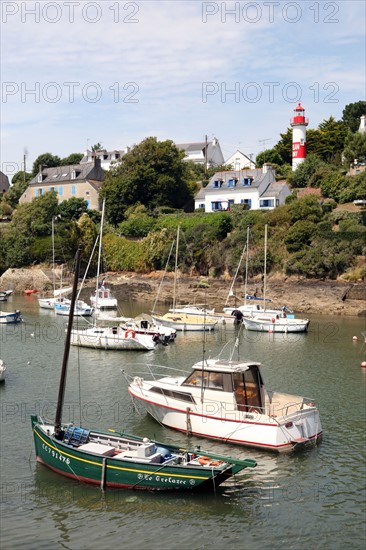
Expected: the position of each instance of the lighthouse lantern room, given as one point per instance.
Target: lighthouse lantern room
(298, 123)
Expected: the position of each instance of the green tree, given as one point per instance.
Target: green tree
(73, 208)
(306, 170)
(330, 140)
(35, 218)
(352, 113)
(269, 155)
(19, 184)
(284, 146)
(354, 148)
(46, 160)
(97, 147)
(306, 208)
(74, 158)
(152, 174)
(87, 236)
(299, 235)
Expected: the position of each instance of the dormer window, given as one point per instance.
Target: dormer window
(231, 182)
(40, 178)
(73, 175)
(247, 181)
(217, 183)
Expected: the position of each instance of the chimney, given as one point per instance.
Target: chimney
(266, 167)
(97, 163)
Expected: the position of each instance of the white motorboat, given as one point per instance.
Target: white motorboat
(267, 322)
(10, 317)
(82, 309)
(103, 299)
(51, 303)
(147, 326)
(228, 401)
(2, 370)
(112, 338)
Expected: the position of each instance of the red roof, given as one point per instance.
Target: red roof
(299, 107)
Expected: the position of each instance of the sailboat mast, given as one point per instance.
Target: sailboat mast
(176, 269)
(61, 391)
(99, 253)
(246, 267)
(265, 266)
(53, 256)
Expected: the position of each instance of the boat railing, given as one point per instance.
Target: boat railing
(153, 370)
(282, 404)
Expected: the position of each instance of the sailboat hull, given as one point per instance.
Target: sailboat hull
(272, 324)
(112, 338)
(108, 471)
(184, 322)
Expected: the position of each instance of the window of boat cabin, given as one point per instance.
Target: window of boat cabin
(247, 386)
(212, 380)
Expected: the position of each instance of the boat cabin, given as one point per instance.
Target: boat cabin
(244, 380)
(103, 293)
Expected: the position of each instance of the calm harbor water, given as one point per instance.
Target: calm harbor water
(314, 499)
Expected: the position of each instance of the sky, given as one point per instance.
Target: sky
(77, 73)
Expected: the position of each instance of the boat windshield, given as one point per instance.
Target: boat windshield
(207, 379)
(247, 386)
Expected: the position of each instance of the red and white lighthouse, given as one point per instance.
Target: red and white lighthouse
(298, 123)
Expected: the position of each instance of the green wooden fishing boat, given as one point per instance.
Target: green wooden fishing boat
(121, 460)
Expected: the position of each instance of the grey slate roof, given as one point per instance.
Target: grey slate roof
(274, 189)
(255, 173)
(59, 174)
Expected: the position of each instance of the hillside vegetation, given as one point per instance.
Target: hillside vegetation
(305, 237)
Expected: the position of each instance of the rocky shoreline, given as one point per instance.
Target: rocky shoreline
(300, 294)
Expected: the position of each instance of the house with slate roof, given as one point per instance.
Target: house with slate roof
(82, 181)
(256, 188)
(199, 151)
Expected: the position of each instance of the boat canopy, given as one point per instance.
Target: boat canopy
(225, 366)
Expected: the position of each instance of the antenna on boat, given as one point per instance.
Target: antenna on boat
(61, 391)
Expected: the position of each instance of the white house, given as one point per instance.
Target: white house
(240, 161)
(256, 188)
(106, 157)
(202, 151)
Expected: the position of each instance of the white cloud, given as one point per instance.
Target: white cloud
(169, 53)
